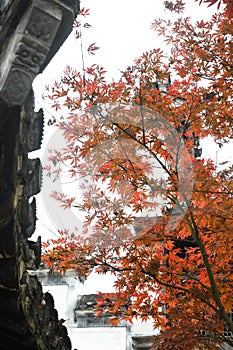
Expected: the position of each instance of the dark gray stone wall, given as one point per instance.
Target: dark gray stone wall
(31, 32)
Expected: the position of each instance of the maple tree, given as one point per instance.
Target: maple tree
(166, 238)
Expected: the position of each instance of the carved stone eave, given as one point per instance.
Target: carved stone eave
(31, 43)
(31, 32)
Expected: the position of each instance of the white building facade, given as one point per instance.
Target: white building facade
(75, 299)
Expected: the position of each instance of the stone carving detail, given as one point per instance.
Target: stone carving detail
(32, 175)
(32, 132)
(16, 86)
(27, 216)
(42, 26)
(36, 248)
(29, 55)
(23, 59)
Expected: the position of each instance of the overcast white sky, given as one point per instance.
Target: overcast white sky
(122, 31)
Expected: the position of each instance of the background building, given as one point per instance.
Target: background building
(86, 331)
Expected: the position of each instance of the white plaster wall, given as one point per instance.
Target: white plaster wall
(104, 338)
(60, 296)
(144, 328)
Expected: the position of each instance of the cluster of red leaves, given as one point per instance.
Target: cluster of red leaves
(176, 266)
(178, 6)
(228, 4)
